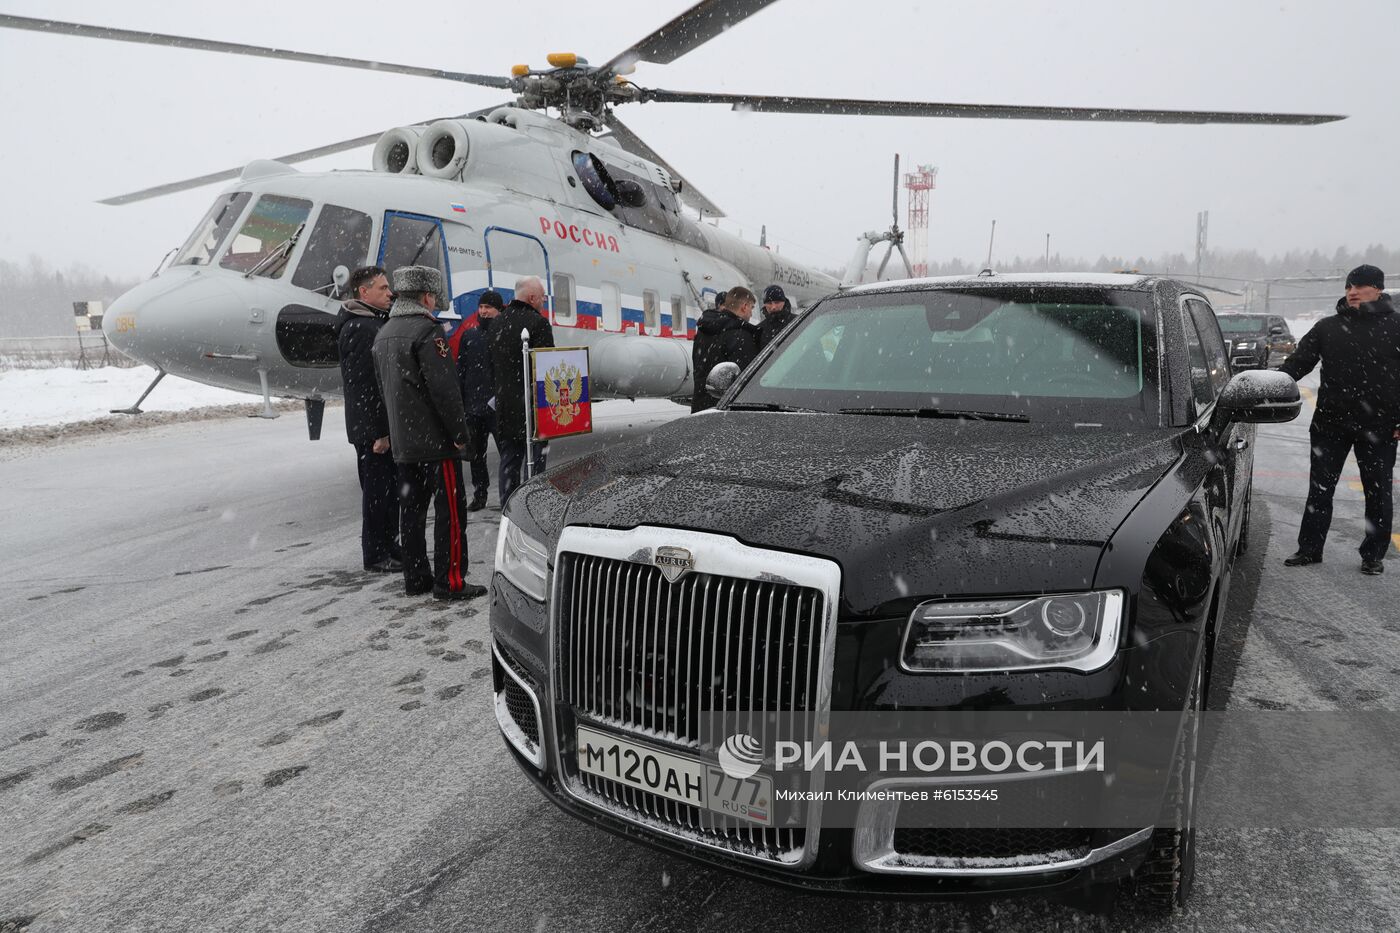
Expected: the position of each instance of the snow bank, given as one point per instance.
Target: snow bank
(64, 396)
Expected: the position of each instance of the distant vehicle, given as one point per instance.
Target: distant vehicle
(1256, 341)
(1054, 469)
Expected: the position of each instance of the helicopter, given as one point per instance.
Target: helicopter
(578, 199)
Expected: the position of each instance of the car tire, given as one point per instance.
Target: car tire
(1163, 882)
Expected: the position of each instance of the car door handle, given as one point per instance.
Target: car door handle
(1241, 443)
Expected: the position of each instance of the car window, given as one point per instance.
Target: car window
(1007, 350)
(1202, 389)
(1217, 360)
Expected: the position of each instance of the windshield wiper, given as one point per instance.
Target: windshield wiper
(278, 254)
(762, 406)
(938, 413)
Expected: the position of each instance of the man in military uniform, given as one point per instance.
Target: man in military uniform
(427, 432)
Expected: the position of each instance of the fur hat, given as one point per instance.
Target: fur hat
(411, 280)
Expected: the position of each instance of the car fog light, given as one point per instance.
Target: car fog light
(1079, 631)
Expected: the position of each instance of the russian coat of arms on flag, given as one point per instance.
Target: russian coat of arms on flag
(563, 406)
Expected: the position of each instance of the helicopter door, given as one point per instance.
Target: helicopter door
(512, 256)
(415, 240)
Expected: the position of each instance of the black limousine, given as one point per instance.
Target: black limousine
(998, 492)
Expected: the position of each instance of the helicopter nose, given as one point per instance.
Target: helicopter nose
(169, 321)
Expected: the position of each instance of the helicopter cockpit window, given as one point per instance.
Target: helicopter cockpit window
(204, 243)
(340, 238)
(267, 237)
(412, 241)
(595, 179)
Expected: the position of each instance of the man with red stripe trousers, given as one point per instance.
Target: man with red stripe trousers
(427, 432)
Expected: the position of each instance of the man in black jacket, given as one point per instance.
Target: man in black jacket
(723, 336)
(478, 380)
(1358, 408)
(525, 313)
(366, 422)
(777, 315)
(427, 431)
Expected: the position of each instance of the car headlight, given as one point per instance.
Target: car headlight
(521, 559)
(1246, 345)
(1077, 631)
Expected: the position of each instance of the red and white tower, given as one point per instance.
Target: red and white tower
(919, 183)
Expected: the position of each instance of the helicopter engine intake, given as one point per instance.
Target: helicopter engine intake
(396, 152)
(443, 148)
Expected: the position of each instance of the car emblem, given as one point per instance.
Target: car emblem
(675, 562)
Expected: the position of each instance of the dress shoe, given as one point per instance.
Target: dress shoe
(476, 505)
(387, 565)
(468, 591)
(1372, 567)
(1301, 560)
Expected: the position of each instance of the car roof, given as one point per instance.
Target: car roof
(1052, 279)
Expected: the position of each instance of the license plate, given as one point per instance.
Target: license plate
(676, 777)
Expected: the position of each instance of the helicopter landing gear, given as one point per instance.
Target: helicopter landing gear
(315, 411)
(267, 411)
(136, 408)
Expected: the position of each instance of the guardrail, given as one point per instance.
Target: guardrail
(78, 351)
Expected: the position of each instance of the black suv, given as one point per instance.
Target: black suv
(1256, 341)
(995, 493)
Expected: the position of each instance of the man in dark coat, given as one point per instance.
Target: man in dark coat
(427, 432)
(525, 313)
(777, 315)
(478, 381)
(723, 336)
(1358, 408)
(366, 422)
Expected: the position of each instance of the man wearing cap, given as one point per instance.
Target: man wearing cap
(777, 315)
(427, 432)
(525, 313)
(478, 381)
(366, 422)
(1358, 408)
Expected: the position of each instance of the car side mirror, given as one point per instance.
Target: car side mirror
(1275, 329)
(721, 378)
(1259, 396)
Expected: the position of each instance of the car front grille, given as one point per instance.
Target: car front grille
(640, 655)
(992, 843)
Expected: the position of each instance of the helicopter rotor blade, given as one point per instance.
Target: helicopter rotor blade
(908, 266)
(837, 106)
(889, 251)
(894, 208)
(235, 48)
(686, 32)
(232, 173)
(637, 146)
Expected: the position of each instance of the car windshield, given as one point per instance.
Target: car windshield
(1036, 353)
(1241, 323)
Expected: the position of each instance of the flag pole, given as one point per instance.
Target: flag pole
(529, 403)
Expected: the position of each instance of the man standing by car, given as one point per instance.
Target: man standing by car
(526, 312)
(478, 381)
(777, 315)
(427, 432)
(1358, 408)
(724, 335)
(366, 422)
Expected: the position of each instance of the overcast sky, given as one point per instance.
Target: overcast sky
(86, 119)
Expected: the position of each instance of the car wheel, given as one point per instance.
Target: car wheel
(1163, 881)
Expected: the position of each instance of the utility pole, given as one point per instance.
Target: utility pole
(1202, 222)
(991, 240)
(1047, 252)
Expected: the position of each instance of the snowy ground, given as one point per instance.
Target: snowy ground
(64, 396)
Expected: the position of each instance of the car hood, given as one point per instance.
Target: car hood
(910, 508)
